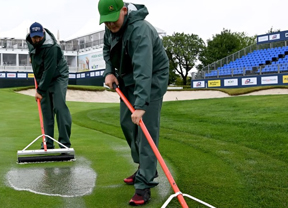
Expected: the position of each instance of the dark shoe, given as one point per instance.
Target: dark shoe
(141, 196)
(130, 180)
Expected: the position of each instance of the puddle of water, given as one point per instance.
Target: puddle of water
(75, 181)
(60, 181)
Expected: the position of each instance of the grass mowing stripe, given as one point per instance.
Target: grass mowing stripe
(226, 120)
(250, 165)
(93, 119)
(203, 175)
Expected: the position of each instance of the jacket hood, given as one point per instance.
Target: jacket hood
(136, 12)
(49, 40)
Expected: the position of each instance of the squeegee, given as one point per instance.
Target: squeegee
(45, 155)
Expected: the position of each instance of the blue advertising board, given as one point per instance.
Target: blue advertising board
(272, 37)
(236, 82)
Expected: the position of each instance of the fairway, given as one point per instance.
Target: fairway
(228, 152)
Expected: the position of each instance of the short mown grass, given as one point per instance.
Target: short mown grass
(228, 152)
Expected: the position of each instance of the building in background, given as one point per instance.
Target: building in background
(84, 55)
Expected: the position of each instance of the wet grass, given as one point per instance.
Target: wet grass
(229, 152)
(107, 155)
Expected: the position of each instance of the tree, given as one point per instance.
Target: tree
(224, 44)
(183, 51)
(245, 40)
(271, 30)
(172, 67)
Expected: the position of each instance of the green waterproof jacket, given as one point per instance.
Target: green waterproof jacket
(136, 55)
(47, 61)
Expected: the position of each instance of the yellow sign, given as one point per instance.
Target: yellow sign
(214, 83)
(285, 78)
(30, 75)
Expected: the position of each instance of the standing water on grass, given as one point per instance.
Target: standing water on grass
(54, 181)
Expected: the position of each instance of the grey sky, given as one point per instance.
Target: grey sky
(204, 18)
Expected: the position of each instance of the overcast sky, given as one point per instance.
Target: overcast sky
(73, 18)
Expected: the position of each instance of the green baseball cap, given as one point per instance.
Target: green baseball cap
(109, 10)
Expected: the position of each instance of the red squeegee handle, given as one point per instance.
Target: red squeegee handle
(41, 118)
(154, 148)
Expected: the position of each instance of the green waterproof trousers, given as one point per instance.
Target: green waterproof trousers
(54, 103)
(141, 151)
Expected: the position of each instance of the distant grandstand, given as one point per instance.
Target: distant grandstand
(249, 66)
(270, 60)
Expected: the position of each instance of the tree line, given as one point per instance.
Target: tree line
(186, 51)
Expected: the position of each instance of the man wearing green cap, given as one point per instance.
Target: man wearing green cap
(137, 62)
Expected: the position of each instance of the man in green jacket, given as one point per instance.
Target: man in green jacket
(51, 73)
(137, 62)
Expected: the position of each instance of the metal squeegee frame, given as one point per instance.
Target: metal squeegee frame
(173, 184)
(47, 151)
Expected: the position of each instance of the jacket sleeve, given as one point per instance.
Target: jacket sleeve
(50, 66)
(141, 53)
(106, 55)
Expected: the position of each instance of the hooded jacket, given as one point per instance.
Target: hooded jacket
(136, 55)
(47, 61)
